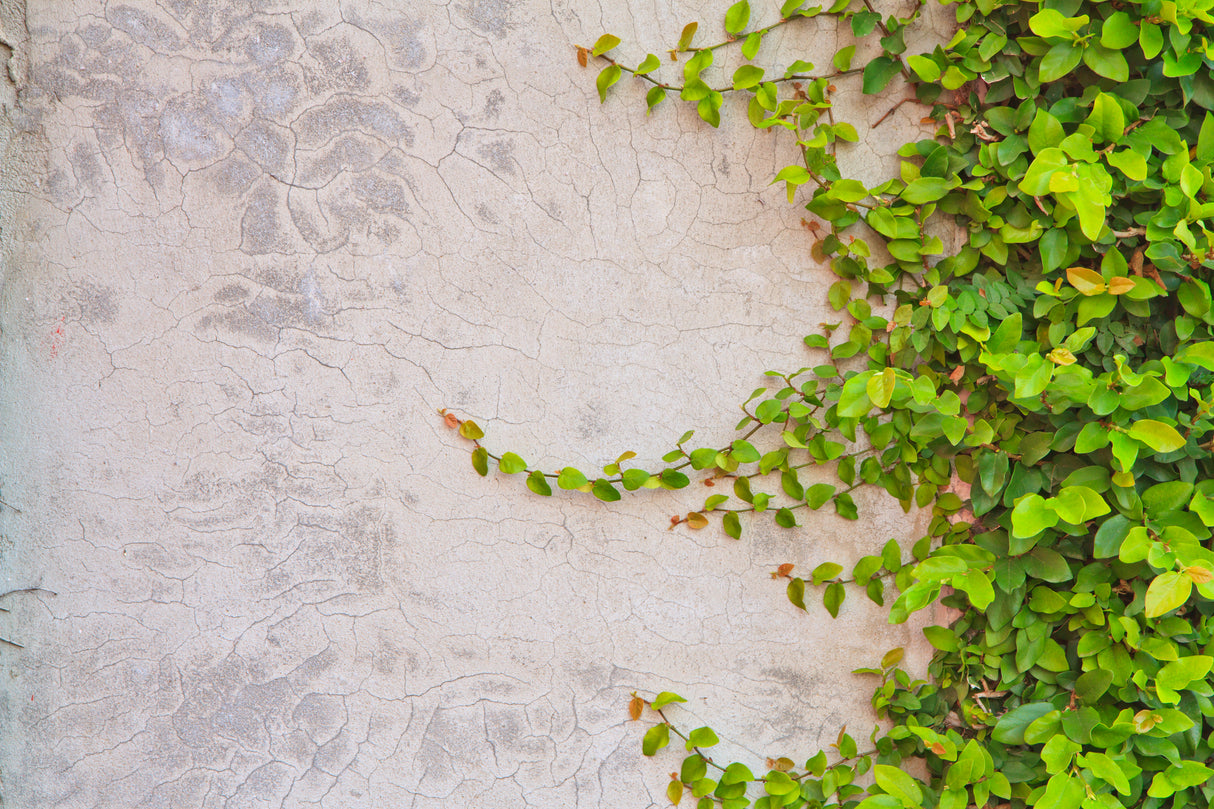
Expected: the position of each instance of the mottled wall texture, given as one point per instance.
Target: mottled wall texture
(249, 248)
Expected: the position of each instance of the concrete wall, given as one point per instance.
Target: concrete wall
(249, 249)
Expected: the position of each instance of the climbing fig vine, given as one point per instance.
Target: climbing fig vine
(1046, 389)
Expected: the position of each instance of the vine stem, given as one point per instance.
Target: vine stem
(730, 89)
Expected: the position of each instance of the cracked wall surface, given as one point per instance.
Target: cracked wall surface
(250, 248)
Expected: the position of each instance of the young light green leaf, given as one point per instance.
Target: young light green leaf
(1157, 435)
(900, 784)
(1167, 592)
(570, 478)
(701, 737)
(736, 17)
(666, 698)
(843, 57)
(609, 76)
(655, 739)
(649, 64)
(605, 43)
(511, 463)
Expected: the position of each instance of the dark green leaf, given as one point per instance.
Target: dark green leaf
(832, 598)
(879, 72)
(480, 460)
(796, 592)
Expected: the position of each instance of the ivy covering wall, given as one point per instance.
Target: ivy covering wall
(1046, 390)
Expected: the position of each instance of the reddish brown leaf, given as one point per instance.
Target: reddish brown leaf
(635, 706)
(582, 55)
(451, 421)
(1136, 262)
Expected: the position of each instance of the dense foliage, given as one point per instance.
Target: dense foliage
(1046, 390)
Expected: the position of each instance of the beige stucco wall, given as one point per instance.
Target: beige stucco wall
(250, 248)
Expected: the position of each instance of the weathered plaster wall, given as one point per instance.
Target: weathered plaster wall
(249, 249)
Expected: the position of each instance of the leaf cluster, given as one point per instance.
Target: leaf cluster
(1046, 389)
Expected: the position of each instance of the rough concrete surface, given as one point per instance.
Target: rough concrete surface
(250, 248)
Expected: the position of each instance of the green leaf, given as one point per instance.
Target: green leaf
(537, 483)
(879, 72)
(924, 66)
(925, 189)
(732, 525)
(848, 190)
(1007, 336)
(937, 568)
(796, 592)
(1044, 132)
(649, 64)
(737, 16)
(853, 400)
(1050, 23)
(1118, 31)
(480, 460)
(1048, 565)
(750, 48)
(1178, 674)
(1150, 38)
(1111, 64)
(818, 494)
(689, 31)
(747, 76)
(1167, 592)
(900, 784)
(609, 76)
(701, 737)
(1205, 140)
(634, 479)
(511, 463)
(1058, 61)
(1036, 179)
(1156, 435)
(655, 96)
(1131, 164)
(832, 598)
(674, 791)
(737, 773)
(1010, 727)
(825, 572)
(570, 478)
(880, 387)
(843, 57)
(942, 638)
(1107, 770)
(655, 739)
(605, 43)
(1107, 118)
(666, 698)
(744, 452)
(605, 491)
